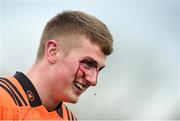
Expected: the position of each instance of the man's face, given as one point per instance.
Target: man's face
(77, 71)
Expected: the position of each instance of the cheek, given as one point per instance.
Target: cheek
(69, 71)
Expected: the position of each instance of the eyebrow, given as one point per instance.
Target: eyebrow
(94, 62)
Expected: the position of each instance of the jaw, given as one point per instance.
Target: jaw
(74, 93)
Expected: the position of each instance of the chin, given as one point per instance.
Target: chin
(73, 100)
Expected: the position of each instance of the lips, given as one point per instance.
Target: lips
(79, 85)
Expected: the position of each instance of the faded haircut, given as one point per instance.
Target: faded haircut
(76, 23)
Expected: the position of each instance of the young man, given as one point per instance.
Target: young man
(72, 51)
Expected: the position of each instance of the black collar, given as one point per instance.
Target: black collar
(29, 89)
(31, 92)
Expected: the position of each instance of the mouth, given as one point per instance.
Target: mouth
(79, 85)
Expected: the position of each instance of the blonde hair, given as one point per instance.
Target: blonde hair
(76, 23)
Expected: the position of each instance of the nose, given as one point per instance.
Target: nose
(91, 77)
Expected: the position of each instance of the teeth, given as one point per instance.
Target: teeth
(78, 85)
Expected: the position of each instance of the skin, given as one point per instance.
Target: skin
(58, 77)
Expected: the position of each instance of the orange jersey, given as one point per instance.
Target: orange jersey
(19, 100)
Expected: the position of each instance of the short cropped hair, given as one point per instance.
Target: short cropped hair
(75, 22)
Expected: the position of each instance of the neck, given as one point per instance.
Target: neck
(38, 76)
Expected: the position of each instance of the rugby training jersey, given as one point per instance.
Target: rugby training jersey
(19, 100)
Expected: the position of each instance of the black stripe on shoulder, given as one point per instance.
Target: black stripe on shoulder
(75, 118)
(72, 116)
(17, 91)
(9, 92)
(67, 110)
(14, 94)
(59, 110)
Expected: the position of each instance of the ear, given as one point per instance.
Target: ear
(51, 51)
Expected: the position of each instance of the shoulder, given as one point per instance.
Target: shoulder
(7, 97)
(10, 94)
(68, 113)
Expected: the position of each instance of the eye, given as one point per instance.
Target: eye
(88, 64)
